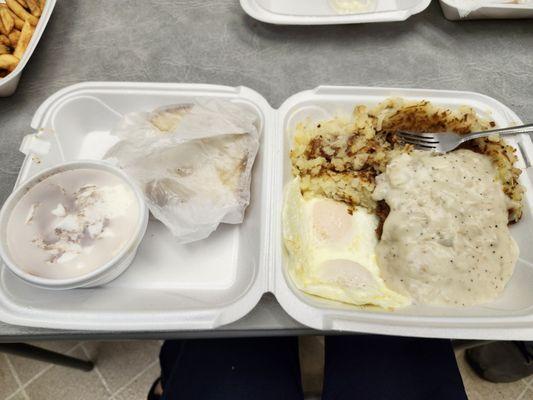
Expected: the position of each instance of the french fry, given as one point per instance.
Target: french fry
(18, 22)
(34, 8)
(7, 19)
(4, 49)
(3, 30)
(21, 12)
(8, 61)
(18, 19)
(5, 40)
(24, 40)
(14, 38)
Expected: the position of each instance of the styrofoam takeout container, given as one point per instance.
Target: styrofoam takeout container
(492, 11)
(216, 281)
(9, 84)
(319, 12)
(100, 276)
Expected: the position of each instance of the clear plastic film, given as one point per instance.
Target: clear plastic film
(192, 161)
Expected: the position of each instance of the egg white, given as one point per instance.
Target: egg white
(332, 253)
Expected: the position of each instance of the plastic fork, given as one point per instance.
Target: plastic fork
(445, 142)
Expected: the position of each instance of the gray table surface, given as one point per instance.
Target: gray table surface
(214, 41)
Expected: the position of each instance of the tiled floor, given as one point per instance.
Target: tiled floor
(478, 389)
(126, 370)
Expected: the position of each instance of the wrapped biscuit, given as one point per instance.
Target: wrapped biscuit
(193, 162)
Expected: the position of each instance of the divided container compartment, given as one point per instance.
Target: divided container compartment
(168, 286)
(509, 317)
(320, 12)
(490, 11)
(218, 280)
(9, 84)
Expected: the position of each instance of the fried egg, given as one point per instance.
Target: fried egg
(331, 252)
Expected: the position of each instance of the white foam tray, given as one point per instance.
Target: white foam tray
(494, 11)
(9, 84)
(218, 280)
(319, 12)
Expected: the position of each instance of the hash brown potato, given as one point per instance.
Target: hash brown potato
(341, 157)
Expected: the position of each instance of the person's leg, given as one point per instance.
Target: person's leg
(236, 369)
(383, 367)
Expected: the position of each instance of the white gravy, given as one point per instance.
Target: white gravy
(71, 223)
(446, 240)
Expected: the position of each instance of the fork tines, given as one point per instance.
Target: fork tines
(421, 140)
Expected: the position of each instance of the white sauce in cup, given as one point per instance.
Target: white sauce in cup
(71, 223)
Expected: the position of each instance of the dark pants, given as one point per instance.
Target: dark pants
(356, 367)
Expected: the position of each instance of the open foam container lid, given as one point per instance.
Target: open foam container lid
(218, 280)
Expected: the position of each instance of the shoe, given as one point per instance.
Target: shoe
(502, 361)
(151, 393)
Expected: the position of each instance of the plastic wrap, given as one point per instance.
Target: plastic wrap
(192, 161)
